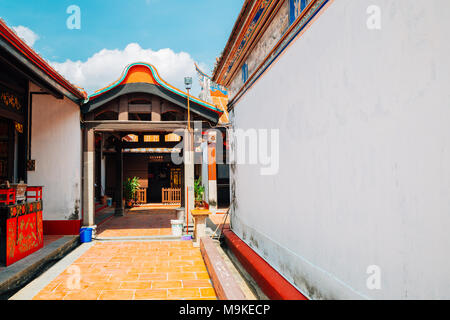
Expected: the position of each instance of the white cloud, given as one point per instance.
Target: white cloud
(26, 34)
(106, 66)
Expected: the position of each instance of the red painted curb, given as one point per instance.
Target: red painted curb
(65, 227)
(273, 284)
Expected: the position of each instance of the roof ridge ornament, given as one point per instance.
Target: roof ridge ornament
(158, 81)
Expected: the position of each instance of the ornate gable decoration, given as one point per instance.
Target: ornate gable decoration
(258, 15)
(10, 100)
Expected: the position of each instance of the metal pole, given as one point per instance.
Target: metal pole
(187, 191)
(189, 111)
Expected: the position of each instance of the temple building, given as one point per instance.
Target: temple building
(134, 128)
(62, 151)
(358, 93)
(40, 150)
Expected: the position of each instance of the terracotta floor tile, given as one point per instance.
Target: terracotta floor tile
(125, 277)
(182, 276)
(166, 284)
(156, 265)
(194, 269)
(83, 295)
(150, 294)
(142, 269)
(197, 284)
(208, 293)
(183, 293)
(202, 275)
(169, 269)
(133, 285)
(117, 295)
(136, 269)
(155, 276)
(181, 263)
(105, 285)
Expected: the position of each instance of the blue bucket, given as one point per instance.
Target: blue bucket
(86, 235)
(109, 202)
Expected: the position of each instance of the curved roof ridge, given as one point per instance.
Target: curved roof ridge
(161, 82)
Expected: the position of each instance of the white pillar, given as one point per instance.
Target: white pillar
(189, 175)
(88, 179)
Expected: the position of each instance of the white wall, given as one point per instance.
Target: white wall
(365, 154)
(56, 147)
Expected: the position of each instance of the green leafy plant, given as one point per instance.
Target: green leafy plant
(199, 190)
(130, 187)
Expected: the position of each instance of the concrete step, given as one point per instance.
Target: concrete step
(20, 273)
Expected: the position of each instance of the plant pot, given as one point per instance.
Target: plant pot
(200, 204)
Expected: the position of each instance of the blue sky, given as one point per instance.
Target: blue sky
(199, 28)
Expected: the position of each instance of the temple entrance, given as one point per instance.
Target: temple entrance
(162, 175)
(131, 129)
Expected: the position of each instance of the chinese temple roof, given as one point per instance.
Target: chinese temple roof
(144, 77)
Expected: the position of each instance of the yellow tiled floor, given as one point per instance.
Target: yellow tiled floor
(134, 271)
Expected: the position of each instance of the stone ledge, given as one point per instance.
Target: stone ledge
(15, 276)
(223, 281)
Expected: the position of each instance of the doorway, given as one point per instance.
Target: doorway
(162, 175)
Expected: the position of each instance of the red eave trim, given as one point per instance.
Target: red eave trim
(31, 55)
(273, 284)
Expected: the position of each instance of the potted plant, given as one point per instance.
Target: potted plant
(130, 188)
(199, 191)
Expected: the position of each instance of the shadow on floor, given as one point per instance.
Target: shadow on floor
(139, 222)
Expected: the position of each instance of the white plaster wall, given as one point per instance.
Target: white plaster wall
(56, 147)
(365, 155)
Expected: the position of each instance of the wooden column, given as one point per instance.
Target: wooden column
(123, 108)
(120, 210)
(102, 167)
(156, 108)
(88, 178)
(188, 175)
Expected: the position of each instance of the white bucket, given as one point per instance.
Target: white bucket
(177, 227)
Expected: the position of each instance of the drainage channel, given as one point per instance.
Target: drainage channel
(245, 281)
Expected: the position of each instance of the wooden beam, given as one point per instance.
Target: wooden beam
(139, 145)
(135, 126)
